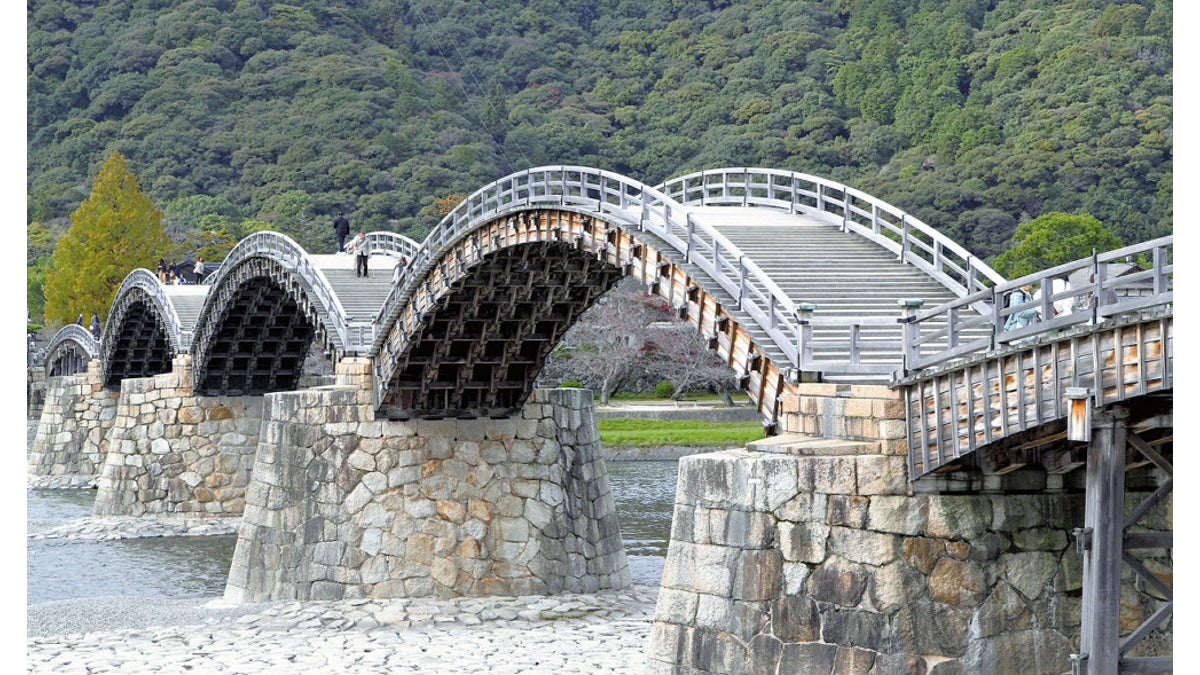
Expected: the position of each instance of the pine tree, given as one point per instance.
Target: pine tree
(114, 231)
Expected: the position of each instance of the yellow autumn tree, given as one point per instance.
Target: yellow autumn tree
(114, 231)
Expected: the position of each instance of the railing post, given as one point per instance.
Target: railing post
(804, 342)
(906, 231)
(1160, 274)
(691, 233)
(912, 331)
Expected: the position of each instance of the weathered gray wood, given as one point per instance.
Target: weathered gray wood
(1103, 527)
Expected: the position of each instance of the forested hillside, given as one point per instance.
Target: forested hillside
(973, 114)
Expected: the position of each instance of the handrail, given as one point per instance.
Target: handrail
(393, 244)
(621, 200)
(71, 332)
(282, 249)
(1100, 297)
(148, 282)
(907, 236)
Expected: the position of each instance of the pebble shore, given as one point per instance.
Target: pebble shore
(571, 633)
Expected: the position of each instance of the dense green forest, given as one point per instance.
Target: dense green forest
(975, 115)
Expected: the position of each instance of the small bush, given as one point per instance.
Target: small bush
(572, 384)
(664, 389)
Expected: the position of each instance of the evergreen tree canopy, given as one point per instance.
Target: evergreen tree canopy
(1053, 239)
(115, 230)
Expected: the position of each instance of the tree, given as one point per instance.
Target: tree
(114, 231)
(1053, 239)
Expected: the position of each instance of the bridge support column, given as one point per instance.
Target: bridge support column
(1100, 544)
(342, 505)
(171, 451)
(71, 442)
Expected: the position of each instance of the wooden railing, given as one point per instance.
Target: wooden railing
(908, 237)
(624, 201)
(283, 250)
(633, 204)
(141, 278)
(71, 332)
(966, 331)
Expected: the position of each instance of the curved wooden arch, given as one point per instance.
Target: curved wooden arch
(70, 350)
(143, 331)
(256, 327)
(533, 272)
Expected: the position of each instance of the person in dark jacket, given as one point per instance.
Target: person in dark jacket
(341, 228)
(95, 325)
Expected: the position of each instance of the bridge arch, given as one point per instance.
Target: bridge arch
(143, 332)
(70, 350)
(266, 305)
(543, 232)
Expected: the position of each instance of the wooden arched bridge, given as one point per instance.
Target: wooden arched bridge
(790, 278)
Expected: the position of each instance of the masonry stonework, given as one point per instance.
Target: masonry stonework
(342, 505)
(808, 554)
(71, 442)
(172, 452)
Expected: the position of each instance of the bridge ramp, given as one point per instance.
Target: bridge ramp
(361, 297)
(844, 275)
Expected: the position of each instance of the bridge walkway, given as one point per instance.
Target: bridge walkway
(849, 279)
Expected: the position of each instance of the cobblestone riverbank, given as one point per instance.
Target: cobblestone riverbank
(571, 633)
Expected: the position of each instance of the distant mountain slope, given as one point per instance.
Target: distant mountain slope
(974, 115)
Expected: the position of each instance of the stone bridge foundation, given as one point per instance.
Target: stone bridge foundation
(71, 442)
(342, 505)
(171, 451)
(812, 554)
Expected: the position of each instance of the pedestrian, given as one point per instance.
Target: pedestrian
(199, 269)
(341, 228)
(95, 325)
(362, 250)
(1024, 317)
(79, 321)
(162, 271)
(399, 271)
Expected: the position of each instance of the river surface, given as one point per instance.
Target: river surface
(197, 567)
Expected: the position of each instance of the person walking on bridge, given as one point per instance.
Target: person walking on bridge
(362, 250)
(95, 325)
(341, 228)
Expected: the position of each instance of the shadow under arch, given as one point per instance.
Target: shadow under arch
(266, 306)
(69, 351)
(143, 332)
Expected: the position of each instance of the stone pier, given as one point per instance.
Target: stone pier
(171, 451)
(342, 505)
(72, 435)
(806, 553)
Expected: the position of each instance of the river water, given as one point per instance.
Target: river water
(197, 567)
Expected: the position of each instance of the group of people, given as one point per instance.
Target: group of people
(95, 324)
(360, 246)
(173, 274)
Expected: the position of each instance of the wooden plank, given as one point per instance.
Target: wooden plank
(1104, 500)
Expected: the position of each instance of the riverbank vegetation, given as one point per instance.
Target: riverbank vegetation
(623, 432)
(237, 115)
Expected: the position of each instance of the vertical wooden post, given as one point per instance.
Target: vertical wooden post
(1100, 543)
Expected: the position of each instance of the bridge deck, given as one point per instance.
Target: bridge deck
(846, 277)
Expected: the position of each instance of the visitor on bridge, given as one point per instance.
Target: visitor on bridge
(1024, 317)
(162, 270)
(341, 228)
(398, 271)
(362, 249)
(95, 325)
(79, 321)
(199, 269)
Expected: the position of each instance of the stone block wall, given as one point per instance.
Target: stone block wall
(35, 391)
(171, 451)
(814, 557)
(71, 442)
(846, 412)
(342, 505)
